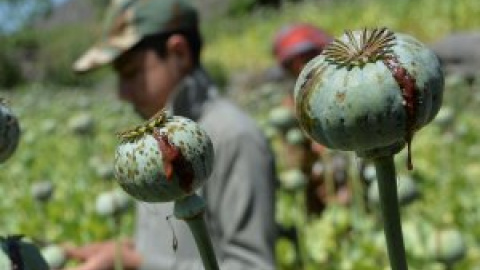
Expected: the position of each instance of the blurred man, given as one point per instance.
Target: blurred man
(154, 48)
(297, 44)
(293, 47)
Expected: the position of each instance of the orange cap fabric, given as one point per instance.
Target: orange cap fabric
(296, 39)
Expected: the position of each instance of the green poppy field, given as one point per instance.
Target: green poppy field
(69, 138)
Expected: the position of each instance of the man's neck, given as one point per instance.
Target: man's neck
(191, 94)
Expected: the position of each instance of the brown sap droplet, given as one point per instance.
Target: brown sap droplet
(407, 84)
(174, 162)
(340, 96)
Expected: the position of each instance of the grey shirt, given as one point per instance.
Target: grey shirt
(239, 194)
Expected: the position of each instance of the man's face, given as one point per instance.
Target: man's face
(146, 80)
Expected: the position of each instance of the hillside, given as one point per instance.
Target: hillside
(73, 26)
(71, 11)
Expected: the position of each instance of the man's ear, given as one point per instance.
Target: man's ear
(179, 48)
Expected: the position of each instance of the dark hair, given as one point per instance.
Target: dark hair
(157, 42)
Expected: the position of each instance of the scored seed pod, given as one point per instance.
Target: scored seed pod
(369, 92)
(9, 131)
(165, 159)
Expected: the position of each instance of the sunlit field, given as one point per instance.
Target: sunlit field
(69, 137)
(428, 20)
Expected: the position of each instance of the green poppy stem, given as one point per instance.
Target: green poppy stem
(190, 209)
(387, 186)
(204, 245)
(329, 177)
(301, 228)
(118, 263)
(356, 189)
(43, 210)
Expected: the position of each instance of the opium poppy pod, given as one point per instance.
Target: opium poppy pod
(166, 159)
(369, 92)
(9, 132)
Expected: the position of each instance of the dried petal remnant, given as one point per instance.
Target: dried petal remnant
(134, 133)
(373, 45)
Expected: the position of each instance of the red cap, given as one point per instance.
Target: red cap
(296, 39)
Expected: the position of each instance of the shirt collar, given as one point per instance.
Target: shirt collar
(190, 96)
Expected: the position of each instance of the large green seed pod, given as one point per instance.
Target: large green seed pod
(21, 254)
(9, 132)
(163, 160)
(369, 92)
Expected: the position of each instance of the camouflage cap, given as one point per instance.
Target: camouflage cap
(128, 21)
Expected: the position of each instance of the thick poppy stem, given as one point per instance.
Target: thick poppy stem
(204, 245)
(190, 209)
(118, 264)
(387, 186)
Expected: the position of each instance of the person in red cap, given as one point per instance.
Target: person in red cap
(297, 44)
(293, 47)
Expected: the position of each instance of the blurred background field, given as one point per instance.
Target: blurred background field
(69, 125)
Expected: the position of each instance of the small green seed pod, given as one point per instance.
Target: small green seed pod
(163, 160)
(293, 179)
(295, 137)
(112, 203)
(42, 191)
(446, 246)
(282, 118)
(9, 132)
(81, 123)
(407, 191)
(369, 92)
(55, 256)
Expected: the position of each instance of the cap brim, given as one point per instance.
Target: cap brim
(103, 54)
(288, 53)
